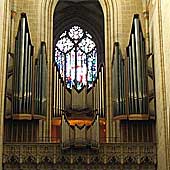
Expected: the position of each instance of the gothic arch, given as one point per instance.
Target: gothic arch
(110, 12)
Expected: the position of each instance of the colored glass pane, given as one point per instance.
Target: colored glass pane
(76, 58)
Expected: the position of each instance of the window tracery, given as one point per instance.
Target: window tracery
(76, 58)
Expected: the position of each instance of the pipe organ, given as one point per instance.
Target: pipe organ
(59, 94)
(78, 116)
(137, 75)
(132, 92)
(40, 97)
(26, 89)
(130, 77)
(79, 106)
(98, 93)
(23, 64)
(118, 73)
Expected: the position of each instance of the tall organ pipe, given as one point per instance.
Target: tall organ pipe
(118, 72)
(139, 64)
(55, 85)
(22, 91)
(135, 79)
(102, 92)
(40, 81)
(44, 79)
(115, 81)
(137, 70)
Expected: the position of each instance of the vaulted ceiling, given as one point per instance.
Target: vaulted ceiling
(86, 14)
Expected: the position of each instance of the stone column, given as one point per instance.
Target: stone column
(12, 42)
(4, 21)
(146, 19)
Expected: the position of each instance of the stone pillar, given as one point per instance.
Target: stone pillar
(146, 20)
(12, 42)
(4, 22)
(162, 152)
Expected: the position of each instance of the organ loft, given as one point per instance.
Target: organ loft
(84, 85)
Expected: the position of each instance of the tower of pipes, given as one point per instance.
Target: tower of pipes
(26, 102)
(134, 119)
(137, 76)
(23, 65)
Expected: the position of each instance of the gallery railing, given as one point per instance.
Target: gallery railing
(120, 153)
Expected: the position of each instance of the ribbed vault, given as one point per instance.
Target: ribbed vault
(87, 14)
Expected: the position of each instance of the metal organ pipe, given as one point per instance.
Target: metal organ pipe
(134, 71)
(115, 82)
(144, 74)
(44, 79)
(118, 72)
(25, 74)
(63, 98)
(137, 77)
(21, 70)
(22, 91)
(58, 93)
(59, 98)
(102, 92)
(130, 81)
(97, 96)
(55, 92)
(139, 64)
(40, 82)
(29, 85)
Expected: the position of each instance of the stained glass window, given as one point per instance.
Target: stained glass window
(76, 58)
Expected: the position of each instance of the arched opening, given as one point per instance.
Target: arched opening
(78, 64)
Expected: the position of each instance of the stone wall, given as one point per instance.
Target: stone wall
(31, 8)
(165, 13)
(126, 11)
(159, 42)
(4, 24)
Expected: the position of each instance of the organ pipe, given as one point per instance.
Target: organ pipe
(59, 97)
(59, 93)
(22, 83)
(100, 95)
(134, 71)
(137, 70)
(55, 92)
(134, 89)
(118, 72)
(102, 92)
(40, 98)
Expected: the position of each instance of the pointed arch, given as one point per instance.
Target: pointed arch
(110, 11)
